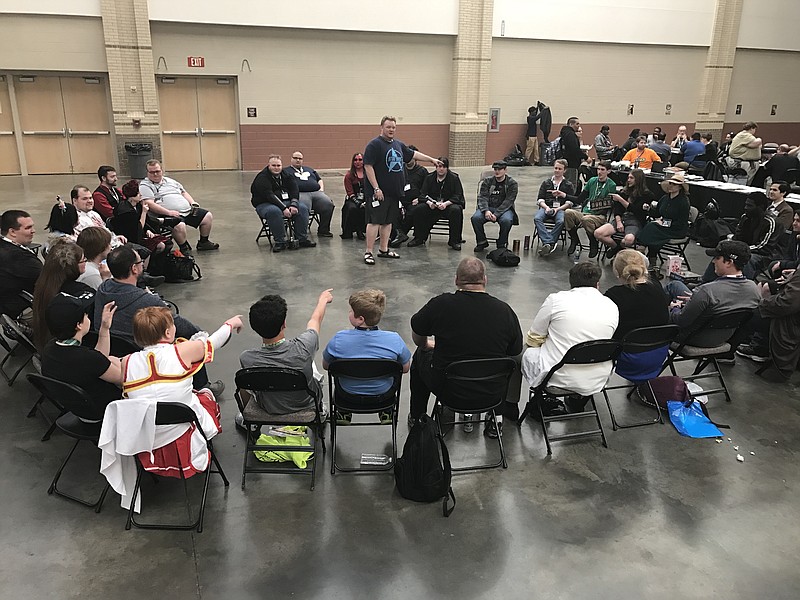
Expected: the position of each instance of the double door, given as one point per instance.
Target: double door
(9, 157)
(199, 123)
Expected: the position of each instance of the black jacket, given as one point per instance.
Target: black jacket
(19, 270)
(571, 147)
(268, 188)
(449, 189)
(415, 177)
(545, 120)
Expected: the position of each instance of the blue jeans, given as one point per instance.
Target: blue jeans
(505, 220)
(548, 237)
(274, 217)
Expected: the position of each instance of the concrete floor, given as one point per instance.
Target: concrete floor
(653, 516)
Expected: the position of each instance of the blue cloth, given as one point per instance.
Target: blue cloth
(692, 150)
(505, 220)
(690, 421)
(274, 217)
(641, 366)
(358, 343)
(548, 237)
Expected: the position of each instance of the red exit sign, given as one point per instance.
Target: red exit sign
(196, 61)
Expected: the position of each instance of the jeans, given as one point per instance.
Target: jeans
(274, 217)
(548, 237)
(505, 220)
(321, 204)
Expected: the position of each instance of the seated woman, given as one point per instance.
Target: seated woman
(132, 220)
(628, 214)
(641, 157)
(163, 370)
(672, 216)
(64, 359)
(353, 207)
(641, 301)
(62, 222)
(62, 267)
(96, 244)
(441, 197)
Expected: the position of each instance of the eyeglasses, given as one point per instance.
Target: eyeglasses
(139, 262)
(358, 160)
(154, 172)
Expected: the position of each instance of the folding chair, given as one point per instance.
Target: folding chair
(81, 420)
(364, 369)
(678, 246)
(472, 387)
(288, 224)
(585, 353)
(644, 351)
(270, 380)
(22, 344)
(120, 346)
(549, 225)
(687, 350)
(176, 413)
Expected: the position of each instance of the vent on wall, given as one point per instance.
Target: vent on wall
(91, 80)
(167, 80)
(26, 79)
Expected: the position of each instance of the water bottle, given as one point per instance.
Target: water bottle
(577, 257)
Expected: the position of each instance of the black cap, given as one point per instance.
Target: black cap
(499, 164)
(65, 311)
(738, 252)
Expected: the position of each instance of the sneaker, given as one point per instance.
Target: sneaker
(573, 245)
(546, 250)
(279, 247)
(481, 246)
(594, 248)
(468, 427)
(324, 234)
(575, 403)
(756, 354)
(398, 240)
(238, 420)
(306, 243)
(416, 242)
(151, 281)
(612, 252)
(385, 417)
(207, 245)
(216, 387)
(490, 430)
(186, 249)
(343, 418)
(455, 245)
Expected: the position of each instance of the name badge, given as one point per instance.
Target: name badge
(284, 196)
(408, 187)
(666, 222)
(376, 203)
(556, 203)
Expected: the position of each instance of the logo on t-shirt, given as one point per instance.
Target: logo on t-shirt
(394, 161)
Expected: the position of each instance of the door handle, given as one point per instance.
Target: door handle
(6, 133)
(217, 131)
(72, 132)
(182, 132)
(61, 132)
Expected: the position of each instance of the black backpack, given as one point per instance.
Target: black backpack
(421, 474)
(503, 257)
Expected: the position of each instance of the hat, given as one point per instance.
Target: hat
(738, 252)
(676, 178)
(499, 164)
(65, 311)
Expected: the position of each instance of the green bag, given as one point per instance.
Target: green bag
(299, 439)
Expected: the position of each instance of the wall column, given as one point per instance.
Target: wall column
(472, 59)
(716, 84)
(129, 52)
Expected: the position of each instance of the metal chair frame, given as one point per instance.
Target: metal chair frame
(22, 342)
(289, 227)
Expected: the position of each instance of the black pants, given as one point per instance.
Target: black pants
(352, 218)
(423, 381)
(425, 219)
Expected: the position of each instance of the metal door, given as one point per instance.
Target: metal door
(9, 156)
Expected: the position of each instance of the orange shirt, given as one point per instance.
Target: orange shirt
(646, 157)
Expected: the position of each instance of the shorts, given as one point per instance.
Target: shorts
(386, 213)
(194, 218)
(632, 225)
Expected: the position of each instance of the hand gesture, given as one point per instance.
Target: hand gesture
(326, 296)
(235, 323)
(105, 272)
(108, 315)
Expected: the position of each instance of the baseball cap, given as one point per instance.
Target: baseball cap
(65, 311)
(738, 252)
(499, 164)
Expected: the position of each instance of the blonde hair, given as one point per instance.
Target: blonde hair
(150, 323)
(369, 304)
(630, 267)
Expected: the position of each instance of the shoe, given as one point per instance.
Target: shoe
(594, 248)
(490, 430)
(551, 407)
(399, 240)
(307, 243)
(573, 243)
(238, 420)
(385, 417)
(468, 427)
(387, 254)
(454, 246)
(324, 234)
(410, 421)
(343, 418)
(279, 247)
(151, 281)
(575, 403)
(361, 236)
(546, 250)
(612, 252)
(416, 242)
(346, 237)
(216, 387)
(756, 354)
(186, 249)
(481, 246)
(207, 245)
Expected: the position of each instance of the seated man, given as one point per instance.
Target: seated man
(693, 148)
(779, 208)
(365, 340)
(731, 290)
(745, 150)
(268, 319)
(312, 192)
(83, 202)
(596, 190)
(567, 318)
(784, 159)
(107, 195)
(19, 265)
(791, 253)
(641, 157)
(493, 331)
(166, 197)
(275, 196)
(605, 148)
(126, 267)
(442, 197)
(552, 202)
(415, 177)
(661, 147)
(496, 205)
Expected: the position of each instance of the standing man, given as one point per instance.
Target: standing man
(384, 160)
(493, 332)
(496, 205)
(166, 197)
(312, 192)
(571, 149)
(745, 150)
(532, 145)
(107, 195)
(19, 265)
(274, 195)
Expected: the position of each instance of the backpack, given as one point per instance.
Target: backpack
(503, 257)
(421, 474)
(516, 158)
(178, 268)
(557, 147)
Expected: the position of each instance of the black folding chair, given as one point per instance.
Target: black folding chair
(686, 348)
(644, 351)
(677, 246)
(472, 387)
(176, 413)
(585, 353)
(23, 346)
(120, 346)
(288, 225)
(269, 380)
(364, 369)
(82, 420)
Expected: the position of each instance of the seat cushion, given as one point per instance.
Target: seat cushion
(699, 352)
(253, 413)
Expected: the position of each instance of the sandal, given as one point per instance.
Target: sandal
(368, 258)
(388, 254)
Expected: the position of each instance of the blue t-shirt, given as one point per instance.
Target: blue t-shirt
(388, 159)
(693, 149)
(359, 343)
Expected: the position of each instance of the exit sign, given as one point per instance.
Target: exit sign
(196, 61)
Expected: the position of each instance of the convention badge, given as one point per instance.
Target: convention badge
(284, 196)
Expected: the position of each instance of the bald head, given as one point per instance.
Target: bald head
(783, 148)
(471, 273)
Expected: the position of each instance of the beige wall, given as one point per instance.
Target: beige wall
(770, 24)
(306, 77)
(762, 78)
(52, 43)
